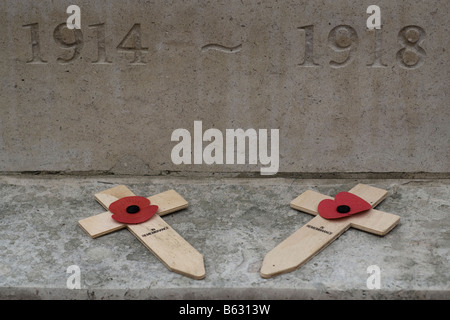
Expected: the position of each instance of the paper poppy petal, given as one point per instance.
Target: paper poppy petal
(133, 218)
(120, 206)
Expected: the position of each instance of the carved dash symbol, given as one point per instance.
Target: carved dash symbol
(218, 47)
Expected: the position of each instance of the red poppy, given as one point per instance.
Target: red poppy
(132, 210)
(344, 204)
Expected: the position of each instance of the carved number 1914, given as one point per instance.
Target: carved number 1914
(130, 43)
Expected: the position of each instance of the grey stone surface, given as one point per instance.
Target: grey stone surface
(76, 101)
(233, 223)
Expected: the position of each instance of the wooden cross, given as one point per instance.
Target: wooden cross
(163, 241)
(307, 241)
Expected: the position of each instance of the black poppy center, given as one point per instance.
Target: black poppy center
(133, 209)
(343, 209)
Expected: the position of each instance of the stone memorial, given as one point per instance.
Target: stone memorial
(334, 92)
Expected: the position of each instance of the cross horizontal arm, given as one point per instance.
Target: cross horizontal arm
(373, 221)
(167, 202)
(101, 224)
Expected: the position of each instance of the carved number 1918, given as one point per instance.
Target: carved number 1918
(343, 40)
